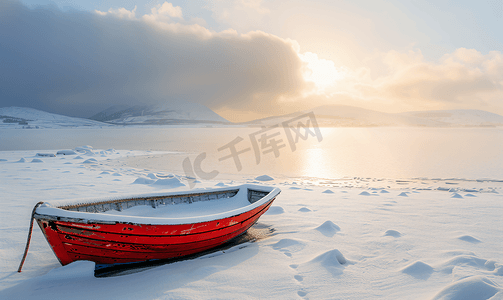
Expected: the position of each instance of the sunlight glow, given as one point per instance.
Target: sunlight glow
(321, 72)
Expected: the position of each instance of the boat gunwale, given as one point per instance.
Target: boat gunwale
(60, 214)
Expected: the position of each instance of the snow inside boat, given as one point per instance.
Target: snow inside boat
(151, 227)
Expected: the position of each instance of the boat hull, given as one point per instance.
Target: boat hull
(124, 242)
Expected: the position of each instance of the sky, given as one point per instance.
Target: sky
(247, 59)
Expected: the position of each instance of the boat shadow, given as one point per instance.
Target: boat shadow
(255, 233)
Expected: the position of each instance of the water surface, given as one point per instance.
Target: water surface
(467, 153)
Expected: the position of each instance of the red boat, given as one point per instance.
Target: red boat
(151, 227)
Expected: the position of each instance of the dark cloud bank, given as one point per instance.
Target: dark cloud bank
(78, 63)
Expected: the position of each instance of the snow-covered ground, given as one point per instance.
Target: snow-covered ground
(327, 240)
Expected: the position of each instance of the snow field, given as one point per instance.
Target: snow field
(328, 241)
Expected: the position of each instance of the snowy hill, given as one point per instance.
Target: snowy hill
(24, 117)
(165, 114)
(191, 113)
(460, 117)
(348, 116)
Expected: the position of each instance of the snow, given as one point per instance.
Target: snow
(143, 180)
(169, 183)
(392, 233)
(187, 114)
(264, 178)
(174, 112)
(472, 288)
(90, 161)
(328, 228)
(46, 154)
(357, 242)
(419, 270)
(66, 152)
(30, 118)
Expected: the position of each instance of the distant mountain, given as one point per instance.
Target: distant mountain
(190, 113)
(348, 116)
(165, 114)
(460, 117)
(24, 117)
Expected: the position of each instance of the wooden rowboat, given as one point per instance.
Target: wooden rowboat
(151, 227)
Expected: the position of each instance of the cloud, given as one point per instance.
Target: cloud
(120, 12)
(463, 79)
(78, 63)
(168, 9)
(242, 15)
(321, 72)
(165, 12)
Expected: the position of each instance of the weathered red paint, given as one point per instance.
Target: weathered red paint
(124, 243)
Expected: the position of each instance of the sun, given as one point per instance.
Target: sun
(321, 72)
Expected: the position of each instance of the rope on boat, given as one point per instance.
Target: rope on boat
(29, 236)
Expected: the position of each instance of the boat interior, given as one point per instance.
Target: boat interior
(156, 201)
